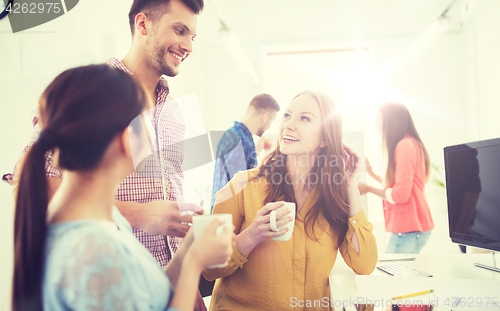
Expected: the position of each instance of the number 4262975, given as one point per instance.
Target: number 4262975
(33, 8)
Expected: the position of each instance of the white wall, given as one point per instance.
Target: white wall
(481, 44)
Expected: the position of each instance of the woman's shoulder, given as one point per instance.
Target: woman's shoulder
(76, 249)
(254, 172)
(85, 258)
(82, 239)
(88, 231)
(407, 144)
(243, 180)
(80, 248)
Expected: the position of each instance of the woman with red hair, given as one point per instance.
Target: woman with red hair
(306, 168)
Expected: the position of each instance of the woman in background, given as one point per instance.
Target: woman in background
(83, 255)
(306, 168)
(407, 214)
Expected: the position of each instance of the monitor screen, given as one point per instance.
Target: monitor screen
(473, 192)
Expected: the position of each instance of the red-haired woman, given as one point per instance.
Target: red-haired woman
(306, 168)
(407, 214)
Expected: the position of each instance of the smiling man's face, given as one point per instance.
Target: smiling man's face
(171, 39)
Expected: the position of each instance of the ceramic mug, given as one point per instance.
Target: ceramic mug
(289, 225)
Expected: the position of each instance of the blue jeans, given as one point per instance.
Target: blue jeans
(407, 243)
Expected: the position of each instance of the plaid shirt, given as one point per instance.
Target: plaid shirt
(235, 152)
(151, 183)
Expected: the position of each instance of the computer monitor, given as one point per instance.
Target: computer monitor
(473, 193)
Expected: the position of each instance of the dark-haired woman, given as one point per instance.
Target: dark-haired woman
(407, 214)
(306, 168)
(84, 256)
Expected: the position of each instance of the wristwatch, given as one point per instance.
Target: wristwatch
(3, 7)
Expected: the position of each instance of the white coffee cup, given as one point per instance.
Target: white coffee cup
(289, 225)
(201, 222)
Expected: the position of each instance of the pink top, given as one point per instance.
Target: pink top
(405, 207)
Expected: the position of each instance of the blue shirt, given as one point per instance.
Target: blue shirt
(91, 265)
(235, 152)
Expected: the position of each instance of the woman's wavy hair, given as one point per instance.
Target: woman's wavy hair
(329, 167)
(396, 123)
(82, 111)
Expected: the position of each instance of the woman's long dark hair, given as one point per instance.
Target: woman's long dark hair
(82, 111)
(332, 185)
(396, 123)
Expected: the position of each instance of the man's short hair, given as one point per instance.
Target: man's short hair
(265, 102)
(155, 9)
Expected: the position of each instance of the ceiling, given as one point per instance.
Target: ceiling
(266, 21)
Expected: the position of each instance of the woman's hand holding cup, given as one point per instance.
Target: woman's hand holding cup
(213, 248)
(261, 226)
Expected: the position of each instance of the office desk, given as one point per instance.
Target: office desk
(343, 286)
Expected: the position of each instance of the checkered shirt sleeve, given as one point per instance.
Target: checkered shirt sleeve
(50, 167)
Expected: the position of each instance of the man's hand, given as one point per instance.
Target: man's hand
(164, 217)
(159, 217)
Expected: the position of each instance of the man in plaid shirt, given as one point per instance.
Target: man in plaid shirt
(162, 31)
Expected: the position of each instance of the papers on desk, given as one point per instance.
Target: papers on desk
(464, 291)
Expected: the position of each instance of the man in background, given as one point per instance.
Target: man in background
(236, 149)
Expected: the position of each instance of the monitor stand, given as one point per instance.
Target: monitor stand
(492, 268)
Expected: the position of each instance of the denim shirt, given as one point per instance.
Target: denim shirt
(235, 152)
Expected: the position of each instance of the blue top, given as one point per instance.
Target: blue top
(235, 152)
(100, 265)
